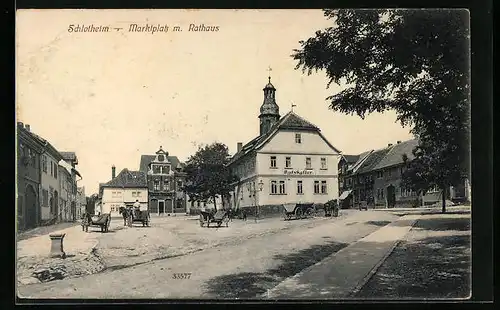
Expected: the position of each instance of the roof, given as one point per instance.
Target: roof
(351, 159)
(68, 155)
(49, 148)
(288, 121)
(372, 160)
(147, 159)
(395, 153)
(360, 160)
(127, 178)
(379, 159)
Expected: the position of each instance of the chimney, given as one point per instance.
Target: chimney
(399, 142)
(27, 127)
(20, 124)
(113, 172)
(239, 146)
(389, 145)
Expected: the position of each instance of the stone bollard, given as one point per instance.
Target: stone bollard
(57, 250)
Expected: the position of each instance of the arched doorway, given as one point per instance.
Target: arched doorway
(391, 196)
(30, 207)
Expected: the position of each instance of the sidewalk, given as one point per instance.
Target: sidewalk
(32, 254)
(344, 273)
(44, 230)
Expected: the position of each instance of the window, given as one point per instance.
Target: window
(308, 162)
(274, 187)
(179, 184)
(282, 187)
(323, 187)
(44, 163)
(379, 174)
(138, 194)
(45, 198)
(134, 194)
(156, 185)
(389, 172)
(288, 162)
(299, 187)
(316, 187)
(55, 170)
(323, 163)
(166, 185)
(51, 168)
(273, 161)
(298, 138)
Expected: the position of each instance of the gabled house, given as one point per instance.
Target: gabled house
(290, 161)
(165, 180)
(122, 191)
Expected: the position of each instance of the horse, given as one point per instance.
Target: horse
(126, 214)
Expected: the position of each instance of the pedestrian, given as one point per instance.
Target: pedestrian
(137, 206)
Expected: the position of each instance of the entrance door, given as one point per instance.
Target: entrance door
(30, 207)
(391, 196)
(161, 207)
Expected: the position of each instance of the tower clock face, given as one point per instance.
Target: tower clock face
(161, 157)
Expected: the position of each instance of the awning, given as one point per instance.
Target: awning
(345, 194)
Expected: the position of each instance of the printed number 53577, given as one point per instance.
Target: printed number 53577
(185, 275)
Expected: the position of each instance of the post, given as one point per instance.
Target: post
(56, 249)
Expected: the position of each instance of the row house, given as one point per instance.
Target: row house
(375, 178)
(29, 150)
(290, 161)
(165, 181)
(56, 178)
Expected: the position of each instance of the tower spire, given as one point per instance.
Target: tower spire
(269, 110)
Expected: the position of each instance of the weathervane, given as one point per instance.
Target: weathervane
(293, 105)
(269, 70)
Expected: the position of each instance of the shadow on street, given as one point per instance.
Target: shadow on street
(251, 285)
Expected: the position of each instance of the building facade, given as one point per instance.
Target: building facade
(165, 181)
(29, 150)
(122, 190)
(290, 161)
(375, 177)
(81, 202)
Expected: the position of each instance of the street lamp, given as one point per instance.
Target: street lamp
(261, 186)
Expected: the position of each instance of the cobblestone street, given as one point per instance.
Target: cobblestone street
(241, 261)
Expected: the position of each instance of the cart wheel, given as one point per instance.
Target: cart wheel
(309, 212)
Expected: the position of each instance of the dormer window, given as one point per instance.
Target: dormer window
(161, 157)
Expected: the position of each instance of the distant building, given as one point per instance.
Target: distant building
(122, 191)
(81, 201)
(165, 180)
(29, 150)
(290, 161)
(374, 177)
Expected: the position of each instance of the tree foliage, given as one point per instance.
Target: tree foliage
(415, 62)
(208, 176)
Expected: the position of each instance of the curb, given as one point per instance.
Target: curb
(375, 268)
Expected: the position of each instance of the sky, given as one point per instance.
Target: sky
(112, 96)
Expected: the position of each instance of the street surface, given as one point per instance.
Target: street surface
(244, 260)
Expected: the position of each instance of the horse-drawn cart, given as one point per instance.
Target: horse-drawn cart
(131, 216)
(298, 210)
(218, 218)
(103, 221)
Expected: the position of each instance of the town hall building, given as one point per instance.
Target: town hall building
(290, 161)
